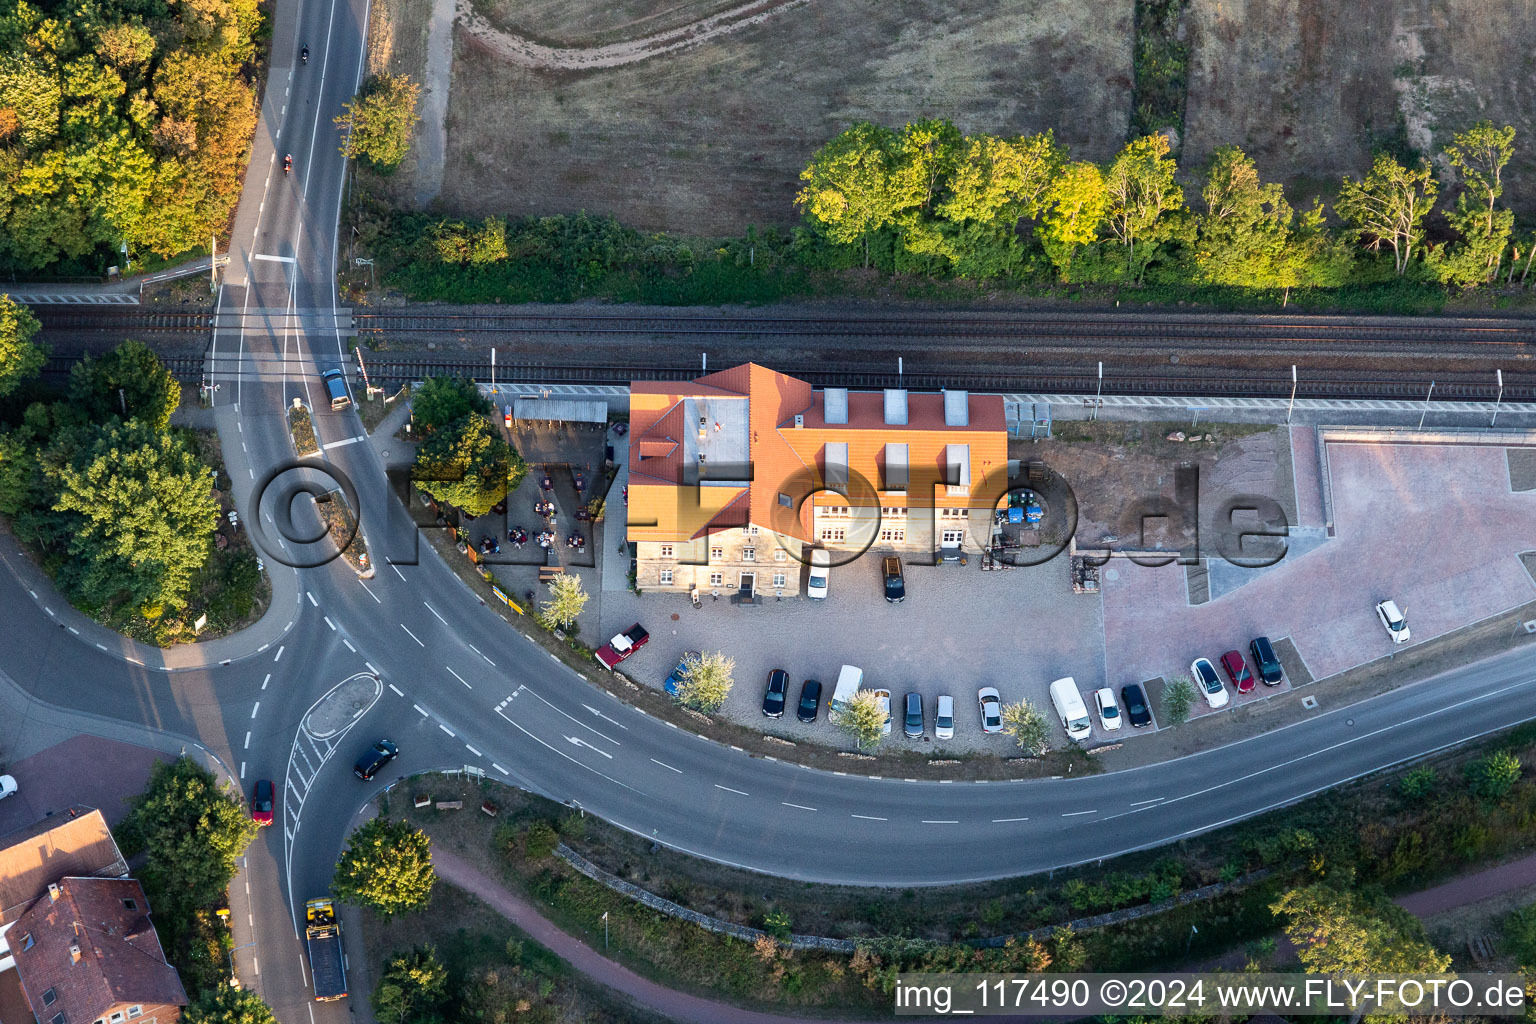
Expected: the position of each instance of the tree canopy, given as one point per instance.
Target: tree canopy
(1028, 726)
(378, 121)
(413, 990)
(387, 866)
(467, 464)
(864, 719)
(1335, 931)
(20, 357)
(440, 401)
(129, 382)
(706, 681)
(229, 1006)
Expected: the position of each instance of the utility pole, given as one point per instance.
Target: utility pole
(1098, 396)
(213, 263)
(493, 368)
(1426, 404)
(1292, 407)
(1497, 401)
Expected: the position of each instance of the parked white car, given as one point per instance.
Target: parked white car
(991, 709)
(821, 570)
(944, 718)
(1208, 682)
(7, 786)
(883, 698)
(1392, 618)
(1109, 711)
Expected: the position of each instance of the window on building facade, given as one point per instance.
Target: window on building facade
(896, 536)
(786, 500)
(666, 551)
(778, 579)
(116, 1017)
(779, 554)
(894, 513)
(715, 579)
(717, 552)
(134, 1011)
(953, 536)
(751, 530)
(666, 577)
(50, 997)
(749, 554)
(833, 533)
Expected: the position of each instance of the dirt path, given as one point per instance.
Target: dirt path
(432, 139)
(1469, 889)
(525, 52)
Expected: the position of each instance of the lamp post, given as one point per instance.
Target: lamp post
(1497, 401)
(1098, 396)
(234, 982)
(1292, 407)
(1426, 404)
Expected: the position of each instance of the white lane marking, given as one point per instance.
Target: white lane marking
(447, 730)
(397, 570)
(370, 592)
(667, 766)
(73, 630)
(568, 757)
(256, 963)
(1138, 803)
(940, 821)
(102, 646)
(33, 593)
(242, 769)
(434, 612)
(369, 666)
(577, 741)
(870, 817)
(349, 645)
(499, 768)
(421, 709)
(311, 595)
(342, 442)
(1075, 814)
(267, 680)
(273, 259)
(728, 789)
(255, 709)
(398, 691)
(605, 718)
(578, 721)
(457, 676)
(472, 750)
(412, 635)
(800, 807)
(477, 651)
(996, 820)
(328, 622)
(247, 740)
(279, 655)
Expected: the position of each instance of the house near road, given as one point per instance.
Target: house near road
(736, 476)
(76, 942)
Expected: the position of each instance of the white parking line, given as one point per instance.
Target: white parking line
(411, 635)
(728, 789)
(798, 807)
(434, 612)
(869, 817)
(668, 767)
(457, 676)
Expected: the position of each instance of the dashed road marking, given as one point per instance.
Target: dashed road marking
(940, 821)
(247, 740)
(458, 677)
(667, 766)
(499, 768)
(728, 789)
(279, 655)
(328, 622)
(1156, 799)
(799, 807)
(255, 709)
(477, 651)
(349, 645)
(370, 592)
(472, 750)
(267, 680)
(398, 691)
(1074, 814)
(447, 730)
(434, 612)
(411, 635)
(999, 820)
(369, 666)
(311, 595)
(395, 567)
(242, 769)
(420, 709)
(869, 817)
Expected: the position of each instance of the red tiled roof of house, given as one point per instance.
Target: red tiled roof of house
(76, 842)
(93, 947)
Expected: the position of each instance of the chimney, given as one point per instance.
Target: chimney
(799, 420)
(53, 892)
(703, 427)
(74, 952)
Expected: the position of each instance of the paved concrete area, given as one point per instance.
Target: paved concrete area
(959, 629)
(88, 770)
(1436, 528)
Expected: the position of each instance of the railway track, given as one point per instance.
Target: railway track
(1046, 379)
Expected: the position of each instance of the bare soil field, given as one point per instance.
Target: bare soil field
(709, 137)
(1309, 87)
(563, 23)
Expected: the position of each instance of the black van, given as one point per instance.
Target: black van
(336, 387)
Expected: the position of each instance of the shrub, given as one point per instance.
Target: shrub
(540, 840)
(1494, 776)
(1178, 699)
(1419, 782)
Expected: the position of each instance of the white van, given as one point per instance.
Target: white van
(849, 679)
(1070, 708)
(816, 584)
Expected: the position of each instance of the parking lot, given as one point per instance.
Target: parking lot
(1437, 529)
(958, 629)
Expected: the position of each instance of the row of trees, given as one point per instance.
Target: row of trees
(985, 207)
(121, 122)
(117, 502)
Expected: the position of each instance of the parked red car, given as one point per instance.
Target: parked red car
(261, 803)
(1237, 671)
(623, 645)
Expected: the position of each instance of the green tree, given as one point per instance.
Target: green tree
(20, 358)
(1335, 931)
(193, 831)
(1418, 783)
(1140, 189)
(129, 382)
(378, 122)
(1178, 699)
(1075, 207)
(848, 186)
(706, 681)
(387, 866)
(1388, 206)
(229, 1006)
(1493, 776)
(1002, 180)
(1479, 154)
(1244, 238)
(1028, 727)
(468, 465)
(926, 154)
(864, 719)
(413, 990)
(565, 602)
(145, 517)
(441, 401)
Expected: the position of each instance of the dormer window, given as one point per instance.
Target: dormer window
(50, 997)
(130, 905)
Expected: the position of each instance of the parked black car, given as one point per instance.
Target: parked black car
(895, 584)
(810, 700)
(778, 689)
(1269, 664)
(1135, 705)
(914, 717)
(374, 758)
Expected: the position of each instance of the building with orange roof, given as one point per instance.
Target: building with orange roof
(736, 476)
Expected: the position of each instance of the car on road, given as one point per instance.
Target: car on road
(913, 719)
(678, 674)
(991, 706)
(1269, 664)
(883, 699)
(1136, 711)
(810, 701)
(261, 802)
(1109, 711)
(1237, 670)
(944, 718)
(623, 645)
(821, 571)
(777, 693)
(895, 582)
(7, 786)
(1208, 683)
(336, 389)
(1392, 618)
(374, 758)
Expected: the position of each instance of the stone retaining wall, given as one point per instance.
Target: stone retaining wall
(830, 945)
